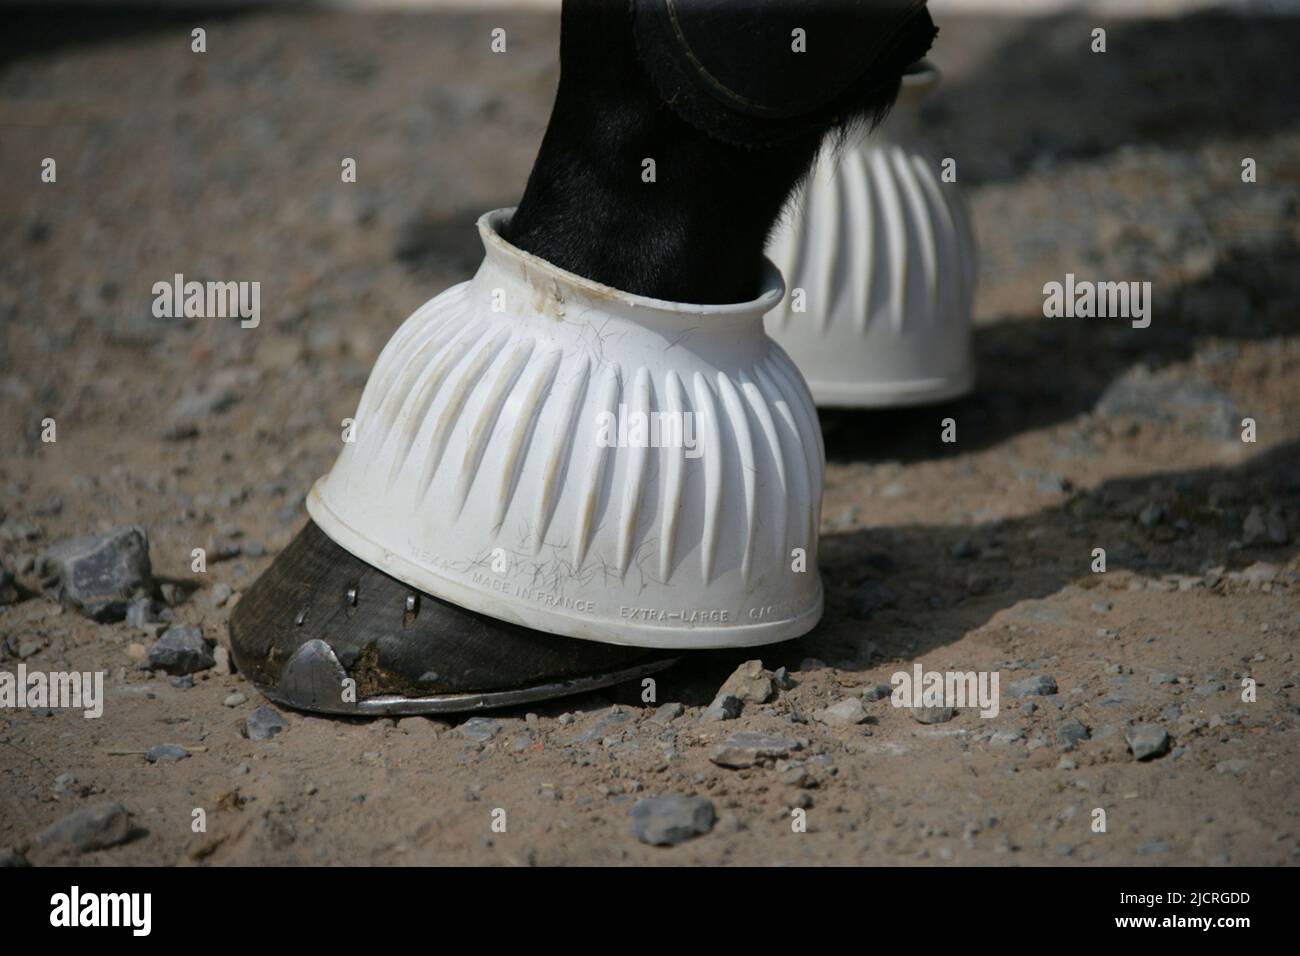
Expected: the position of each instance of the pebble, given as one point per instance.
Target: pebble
(932, 715)
(844, 713)
(1070, 732)
(1163, 678)
(96, 827)
(1147, 741)
(166, 753)
(724, 707)
(479, 729)
(877, 692)
(1261, 572)
(181, 650)
(99, 575)
(750, 683)
(234, 700)
(667, 713)
(1042, 685)
(1264, 527)
(673, 819)
(263, 724)
(221, 593)
(746, 748)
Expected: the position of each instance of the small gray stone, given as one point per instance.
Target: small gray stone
(1264, 527)
(99, 575)
(844, 713)
(746, 748)
(221, 593)
(724, 707)
(166, 753)
(1163, 678)
(670, 820)
(234, 700)
(750, 683)
(181, 650)
(877, 692)
(1070, 732)
(667, 713)
(1041, 686)
(1147, 741)
(932, 715)
(263, 724)
(479, 729)
(96, 827)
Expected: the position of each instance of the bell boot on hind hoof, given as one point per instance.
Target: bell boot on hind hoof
(883, 252)
(320, 616)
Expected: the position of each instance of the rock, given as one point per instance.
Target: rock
(1041, 686)
(844, 713)
(166, 753)
(670, 820)
(221, 661)
(99, 575)
(96, 827)
(65, 785)
(1070, 732)
(667, 713)
(1261, 572)
(1162, 677)
(782, 680)
(479, 729)
(877, 692)
(932, 715)
(1264, 528)
(1147, 741)
(221, 593)
(146, 611)
(724, 707)
(181, 650)
(749, 683)
(234, 700)
(746, 748)
(870, 597)
(263, 724)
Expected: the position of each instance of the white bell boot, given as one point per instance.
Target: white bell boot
(879, 258)
(616, 478)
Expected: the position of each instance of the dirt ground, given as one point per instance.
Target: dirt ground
(1082, 434)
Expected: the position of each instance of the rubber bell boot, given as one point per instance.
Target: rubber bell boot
(880, 260)
(553, 486)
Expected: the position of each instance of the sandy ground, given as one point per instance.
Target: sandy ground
(1083, 434)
